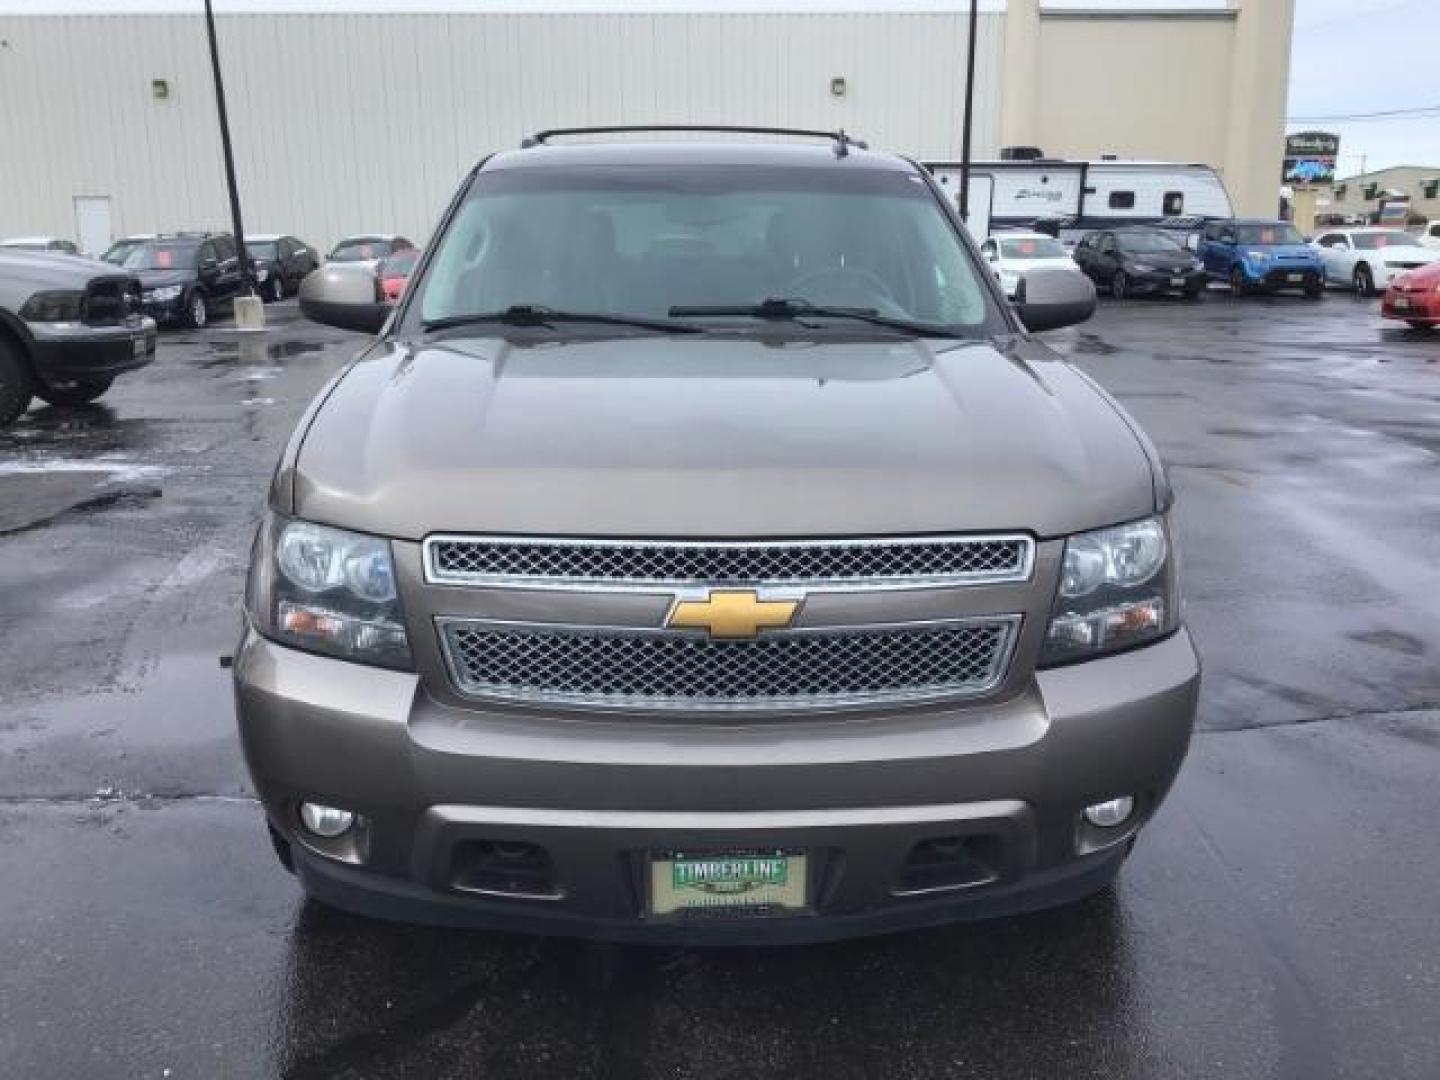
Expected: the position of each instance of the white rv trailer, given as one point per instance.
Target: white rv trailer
(1077, 197)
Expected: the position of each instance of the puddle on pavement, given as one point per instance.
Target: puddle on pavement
(35, 492)
(256, 351)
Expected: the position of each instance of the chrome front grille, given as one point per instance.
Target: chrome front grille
(487, 560)
(612, 667)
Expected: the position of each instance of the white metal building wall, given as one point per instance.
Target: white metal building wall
(347, 123)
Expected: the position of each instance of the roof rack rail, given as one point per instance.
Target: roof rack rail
(842, 141)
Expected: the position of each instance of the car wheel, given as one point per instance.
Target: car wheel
(1120, 285)
(1364, 280)
(1238, 284)
(277, 288)
(1315, 290)
(197, 312)
(1420, 324)
(81, 392)
(17, 385)
(1193, 292)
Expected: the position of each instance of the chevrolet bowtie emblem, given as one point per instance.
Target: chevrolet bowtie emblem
(735, 614)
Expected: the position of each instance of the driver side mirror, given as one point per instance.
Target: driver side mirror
(1192, 242)
(1050, 297)
(209, 266)
(345, 297)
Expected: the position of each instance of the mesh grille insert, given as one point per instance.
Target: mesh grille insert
(617, 667)
(480, 559)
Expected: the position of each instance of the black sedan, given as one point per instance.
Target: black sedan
(281, 263)
(1139, 262)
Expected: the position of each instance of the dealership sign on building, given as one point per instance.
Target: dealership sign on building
(1310, 157)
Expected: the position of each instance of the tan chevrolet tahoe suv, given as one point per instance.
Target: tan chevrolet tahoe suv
(705, 551)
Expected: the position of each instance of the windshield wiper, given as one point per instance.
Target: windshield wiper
(797, 310)
(539, 315)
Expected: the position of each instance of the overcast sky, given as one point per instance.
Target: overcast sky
(1360, 56)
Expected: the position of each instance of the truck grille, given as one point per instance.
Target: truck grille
(794, 668)
(483, 560)
(112, 302)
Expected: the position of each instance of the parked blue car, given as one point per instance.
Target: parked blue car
(1254, 254)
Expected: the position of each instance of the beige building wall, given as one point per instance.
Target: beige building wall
(1202, 86)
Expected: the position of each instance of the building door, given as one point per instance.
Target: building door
(92, 224)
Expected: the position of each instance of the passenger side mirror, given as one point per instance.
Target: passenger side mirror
(1050, 297)
(346, 297)
(208, 266)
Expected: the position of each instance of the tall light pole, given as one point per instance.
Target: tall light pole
(246, 270)
(969, 109)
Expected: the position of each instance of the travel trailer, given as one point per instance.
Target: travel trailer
(1071, 198)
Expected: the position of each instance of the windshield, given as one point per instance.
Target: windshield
(1146, 243)
(118, 250)
(176, 256)
(359, 250)
(262, 249)
(401, 264)
(1373, 241)
(1032, 247)
(639, 241)
(1268, 234)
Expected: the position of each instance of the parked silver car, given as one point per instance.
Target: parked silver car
(705, 551)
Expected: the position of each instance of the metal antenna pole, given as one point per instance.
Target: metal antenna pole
(247, 271)
(969, 108)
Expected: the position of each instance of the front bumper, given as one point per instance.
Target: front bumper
(1420, 306)
(164, 311)
(1008, 779)
(1276, 277)
(68, 352)
(1159, 281)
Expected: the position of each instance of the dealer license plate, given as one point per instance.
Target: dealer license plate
(1295, 277)
(1177, 282)
(1402, 303)
(721, 883)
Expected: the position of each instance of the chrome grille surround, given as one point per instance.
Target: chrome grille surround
(545, 562)
(630, 668)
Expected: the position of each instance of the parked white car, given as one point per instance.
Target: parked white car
(1430, 238)
(1367, 260)
(1012, 254)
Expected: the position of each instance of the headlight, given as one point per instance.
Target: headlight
(328, 591)
(261, 273)
(58, 306)
(1141, 268)
(1258, 256)
(167, 292)
(1117, 589)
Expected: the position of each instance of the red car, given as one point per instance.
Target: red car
(395, 271)
(1415, 297)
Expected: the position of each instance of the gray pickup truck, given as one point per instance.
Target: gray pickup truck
(68, 326)
(704, 550)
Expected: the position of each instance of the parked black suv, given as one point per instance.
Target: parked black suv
(281, 263)
(186, 277)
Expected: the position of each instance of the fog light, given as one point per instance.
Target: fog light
(329, 821)
(1111, 812)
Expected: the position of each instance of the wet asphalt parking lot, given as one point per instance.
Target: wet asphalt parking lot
(1279, 919)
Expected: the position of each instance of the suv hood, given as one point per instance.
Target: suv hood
(1286, 251)
(717, 437)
